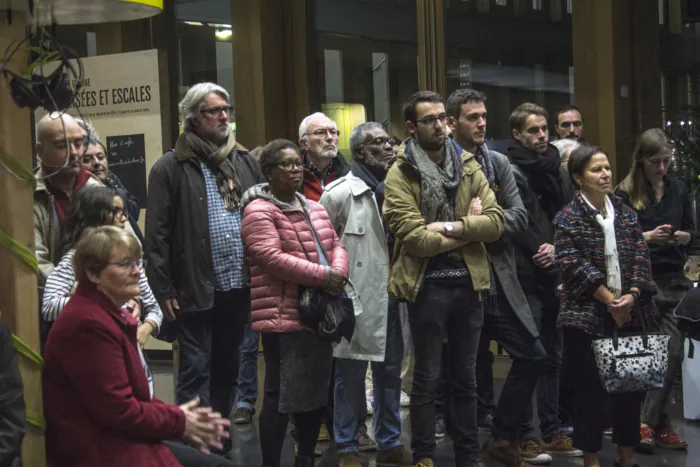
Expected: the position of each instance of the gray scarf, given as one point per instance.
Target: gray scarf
(438, 184)
(486, 163)
(216, 158)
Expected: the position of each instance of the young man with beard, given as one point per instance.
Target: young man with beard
(355, 212)
(569, 123)
(440, 208)
(507, 317)
(545, 187)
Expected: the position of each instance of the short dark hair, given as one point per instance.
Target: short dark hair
(579, 159)
(564, 109)
(270, 153)
(460, 97)
(409, 107)
(524, 110)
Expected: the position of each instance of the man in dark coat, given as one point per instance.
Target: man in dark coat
(507, 316)
(545, 188)
(194, 252)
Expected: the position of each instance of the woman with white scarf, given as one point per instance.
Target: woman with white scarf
(606, 282)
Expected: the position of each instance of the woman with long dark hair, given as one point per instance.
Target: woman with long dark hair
(662, 203)
(92, 207)
(606, 283)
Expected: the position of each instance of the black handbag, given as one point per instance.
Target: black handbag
(332, 317)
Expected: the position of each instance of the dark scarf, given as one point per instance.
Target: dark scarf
(362, 172)
(486, 164)
(216, 158)
(438, 183)
(543, 173)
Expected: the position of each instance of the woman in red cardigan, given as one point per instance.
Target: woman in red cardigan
(100, 410)
(277, 233)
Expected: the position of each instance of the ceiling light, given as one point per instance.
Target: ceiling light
(223, 34)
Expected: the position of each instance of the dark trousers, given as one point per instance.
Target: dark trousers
(591, 400)
(544, 306)
(455, 312)
(273, 423)
(528, 356)
(209, 351)
(484, 375)
(193, 457)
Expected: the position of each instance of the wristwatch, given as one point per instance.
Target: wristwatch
(449, 228)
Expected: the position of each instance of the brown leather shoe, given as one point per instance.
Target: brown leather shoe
(397, 456)
(503, 451)
(669, 439)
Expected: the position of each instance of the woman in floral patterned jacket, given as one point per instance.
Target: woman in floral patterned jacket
(607, 282)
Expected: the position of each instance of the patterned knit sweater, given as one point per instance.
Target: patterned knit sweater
(579, 246)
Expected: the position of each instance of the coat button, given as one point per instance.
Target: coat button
(359, 264)
(361, 230)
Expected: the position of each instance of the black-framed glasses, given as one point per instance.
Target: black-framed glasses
(432, 120)
(128, 265)
(380, 141)
(321, 132)
(288, 166)
(217, 111)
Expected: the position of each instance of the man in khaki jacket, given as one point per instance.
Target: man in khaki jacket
(440, 208)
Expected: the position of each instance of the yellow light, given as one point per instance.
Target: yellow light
(94, 11)
(223, 34)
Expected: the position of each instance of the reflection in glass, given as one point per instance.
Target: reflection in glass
(365, 63)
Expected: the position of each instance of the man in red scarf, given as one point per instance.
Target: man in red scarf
(318, 138)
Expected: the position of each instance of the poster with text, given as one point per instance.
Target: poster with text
(119, 95)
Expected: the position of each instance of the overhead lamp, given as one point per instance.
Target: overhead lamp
(94, 11)
(223, 34)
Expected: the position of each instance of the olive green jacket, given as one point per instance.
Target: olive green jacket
(415, 245)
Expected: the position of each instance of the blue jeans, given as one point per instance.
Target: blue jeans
(350, 395)
(248, 372)
(545, 307)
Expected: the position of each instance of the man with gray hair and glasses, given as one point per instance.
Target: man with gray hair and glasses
(318, 139)
(194, 252)
(354, 204)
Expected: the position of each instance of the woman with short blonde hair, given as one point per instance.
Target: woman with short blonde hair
(99, 407)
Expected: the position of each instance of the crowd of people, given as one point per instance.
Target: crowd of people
(525, 242)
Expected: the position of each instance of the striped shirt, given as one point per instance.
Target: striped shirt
(61, 284)
(225, 236)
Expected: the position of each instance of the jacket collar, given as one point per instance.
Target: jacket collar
(89, 290)
(356, 184)
(404, 156)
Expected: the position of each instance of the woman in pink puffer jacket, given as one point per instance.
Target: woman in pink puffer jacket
(277, 238)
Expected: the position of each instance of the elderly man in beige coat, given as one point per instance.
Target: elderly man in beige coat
(353, 203)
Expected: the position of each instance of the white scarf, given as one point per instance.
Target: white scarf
(612, 261)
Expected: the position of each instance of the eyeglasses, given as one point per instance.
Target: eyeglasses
(128, 265)
(380, 141)
(118, 212)
(321, 132)
(217, 111)
(432, 120)
(577, 124)
(289, 166)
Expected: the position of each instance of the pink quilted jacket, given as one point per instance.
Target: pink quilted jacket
(278, 264)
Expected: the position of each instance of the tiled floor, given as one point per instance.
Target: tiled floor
(246, 450)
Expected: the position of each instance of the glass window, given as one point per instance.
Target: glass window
(528, 57)
(365, 64)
